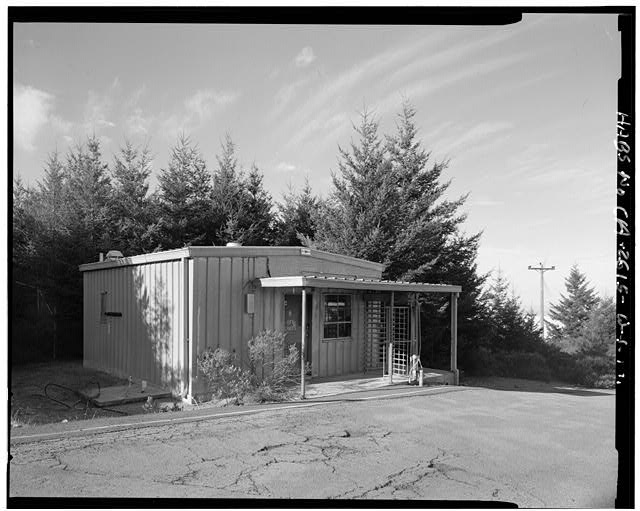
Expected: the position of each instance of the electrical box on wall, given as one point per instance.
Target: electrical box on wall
(250, 303)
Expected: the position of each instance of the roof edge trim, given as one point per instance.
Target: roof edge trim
(357, 284)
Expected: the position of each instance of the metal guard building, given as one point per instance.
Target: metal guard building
(150, 316)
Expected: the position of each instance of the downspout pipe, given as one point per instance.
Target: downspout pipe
(454, 338)
(302, 344)
(185, 331)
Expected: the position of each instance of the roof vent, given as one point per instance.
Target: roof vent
(113, 255)
(234, 244)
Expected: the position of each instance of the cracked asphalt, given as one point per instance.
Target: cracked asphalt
(533, 449)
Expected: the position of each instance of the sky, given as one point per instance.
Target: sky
(525, 114)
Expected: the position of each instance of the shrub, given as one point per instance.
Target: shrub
(484, 362)
(226, 380)
(532, 366)
(594, 371)
(274, 364)
(477, 362)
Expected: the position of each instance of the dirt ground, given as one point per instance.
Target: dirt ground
(548, 448)
(42, 394)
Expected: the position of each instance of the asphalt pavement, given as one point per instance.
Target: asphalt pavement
(533, 449)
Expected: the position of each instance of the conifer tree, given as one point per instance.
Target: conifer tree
(185, 198)
(56, 250)
(597, 337)
(88, 194)
(428, 223)
(571, 312)
(23, 225)
(360, 215)
(51, 193)
(256, 216)
(132, 207)
(512, 329)
(227, 195)
(298, 214)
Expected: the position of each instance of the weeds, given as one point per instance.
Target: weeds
(275, 366)
(18, 420)
(274, 369)
(225, 378)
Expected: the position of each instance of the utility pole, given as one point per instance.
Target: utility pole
(542, 269)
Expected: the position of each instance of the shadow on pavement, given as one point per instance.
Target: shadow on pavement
(517, 385)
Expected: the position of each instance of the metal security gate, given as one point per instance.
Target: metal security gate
(376, 332)
(379, 330)
(401, 341)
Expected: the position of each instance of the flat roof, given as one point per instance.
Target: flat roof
(248, 251)
(322, 282)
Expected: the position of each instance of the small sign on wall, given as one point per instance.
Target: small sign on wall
(292, 326)
(250, 303)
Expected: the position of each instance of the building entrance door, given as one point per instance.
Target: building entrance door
(293, 323)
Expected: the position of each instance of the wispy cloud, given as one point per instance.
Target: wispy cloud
(466, 137)
(336, 94)
(137, 124)
(324, 99)
(97, 111)
(322, 129)
(305, 57)
(449, 77)
(557, 175)
(205, 101)
(449, 56)
(196, 110)
(286, 94)
(284, 167)
(486, 203)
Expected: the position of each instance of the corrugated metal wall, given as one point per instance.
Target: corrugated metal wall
(145, 342)
(220, 319)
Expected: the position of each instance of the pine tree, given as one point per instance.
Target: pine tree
(571, 312)
(131, 204)
(23, 224)
(597, 336)
(428, 223)
(56, 250)
(297, 217)
(359, 217)
(388, 205)
(256, 216)
(512, 329)
(51, 193)
(185, 199)
(88, 194)
(227, 195)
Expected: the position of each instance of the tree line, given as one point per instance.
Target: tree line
(388, 203)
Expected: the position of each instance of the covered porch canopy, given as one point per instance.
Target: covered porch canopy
(309, 282)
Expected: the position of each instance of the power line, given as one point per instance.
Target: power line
(542, 269)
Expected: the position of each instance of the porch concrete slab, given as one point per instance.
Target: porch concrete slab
(123, 394)
(323, 387)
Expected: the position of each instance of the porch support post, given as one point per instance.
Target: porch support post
(454, 338)
(391, 339)
(302, 349)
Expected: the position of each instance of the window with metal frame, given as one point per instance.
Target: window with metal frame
(337, 316)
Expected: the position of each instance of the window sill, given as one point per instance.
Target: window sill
(337, 339)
